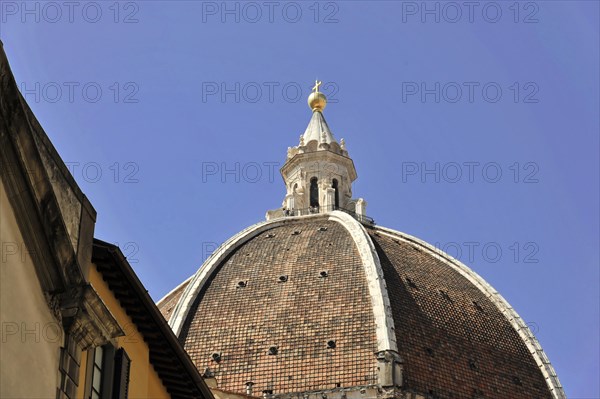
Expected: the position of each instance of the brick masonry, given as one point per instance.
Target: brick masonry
(454, 341)
(167, 304)
(298, 316)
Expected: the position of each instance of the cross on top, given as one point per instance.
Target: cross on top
(317, 84)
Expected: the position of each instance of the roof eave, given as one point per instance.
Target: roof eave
(105, 253)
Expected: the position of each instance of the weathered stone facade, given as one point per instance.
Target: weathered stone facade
(51, 223)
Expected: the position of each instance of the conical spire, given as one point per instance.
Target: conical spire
(317, 129)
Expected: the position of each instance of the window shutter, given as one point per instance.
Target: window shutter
(121, 380)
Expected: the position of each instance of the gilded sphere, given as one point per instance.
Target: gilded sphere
(317, 101)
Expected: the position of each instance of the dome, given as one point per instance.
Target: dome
(319, 302)
(309, 303)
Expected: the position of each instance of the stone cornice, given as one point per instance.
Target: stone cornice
(87, 318)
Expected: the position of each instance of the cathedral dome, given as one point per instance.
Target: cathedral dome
(322, 303)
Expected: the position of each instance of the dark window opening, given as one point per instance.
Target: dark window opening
(517, 381)
(314, 192)
(411, 283)
(337, 195)
(473, 365)
(446, 296)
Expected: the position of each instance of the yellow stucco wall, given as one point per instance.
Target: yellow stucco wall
(144, 382)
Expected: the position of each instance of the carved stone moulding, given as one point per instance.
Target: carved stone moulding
(87, 319)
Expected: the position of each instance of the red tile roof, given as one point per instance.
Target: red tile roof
(454, 340)
(298, 316)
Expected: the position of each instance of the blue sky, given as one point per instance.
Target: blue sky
(475, 129)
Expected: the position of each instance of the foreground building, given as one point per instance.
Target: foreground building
(75, 320)
(318, 302)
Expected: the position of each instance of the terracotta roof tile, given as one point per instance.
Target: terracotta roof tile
(454, 341)
(167, 304)
(298, 316)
